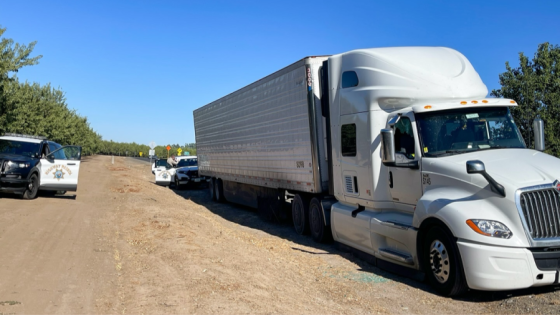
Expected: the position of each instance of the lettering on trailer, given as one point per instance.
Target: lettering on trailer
(300, 164)
(58, 171)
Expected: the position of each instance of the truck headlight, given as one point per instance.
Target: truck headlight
(490, 228)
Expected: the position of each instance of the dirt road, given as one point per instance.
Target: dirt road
(124, 245)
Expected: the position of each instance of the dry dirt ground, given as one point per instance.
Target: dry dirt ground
(123, 245)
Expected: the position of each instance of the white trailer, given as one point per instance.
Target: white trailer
(269, 135)
(397, 153)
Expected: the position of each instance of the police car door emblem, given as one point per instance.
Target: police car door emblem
(59, 174)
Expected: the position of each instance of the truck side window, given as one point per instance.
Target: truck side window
(349, 79)
(404, 138)
(348, 139)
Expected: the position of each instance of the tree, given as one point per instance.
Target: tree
(12, 58)
(535, 85)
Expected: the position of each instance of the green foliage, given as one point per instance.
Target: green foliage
(14, 56)
(161, 150)
(535, 85)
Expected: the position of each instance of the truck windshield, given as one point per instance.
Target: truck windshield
(464, 130)
(19, 148)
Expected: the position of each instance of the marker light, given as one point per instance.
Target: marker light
(490, 228)
(427, 106)
(484, 101)
(474, 102)
(513, 102)
(464, 103)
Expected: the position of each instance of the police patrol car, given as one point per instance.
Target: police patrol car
(186, 172)
(32, 163)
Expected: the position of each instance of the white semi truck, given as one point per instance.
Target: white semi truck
(398, 153)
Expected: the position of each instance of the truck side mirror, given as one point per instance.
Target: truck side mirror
(477, 167)
(388, 147)
(538, 128)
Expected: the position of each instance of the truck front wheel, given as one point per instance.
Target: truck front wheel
(300, 214)
(442, 262)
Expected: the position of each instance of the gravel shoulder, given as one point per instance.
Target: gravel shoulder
(125, 245)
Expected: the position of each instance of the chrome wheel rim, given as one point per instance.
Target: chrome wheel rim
(439, 261)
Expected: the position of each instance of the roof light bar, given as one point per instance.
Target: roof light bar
(7, 134)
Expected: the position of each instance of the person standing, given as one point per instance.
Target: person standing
(172, 161)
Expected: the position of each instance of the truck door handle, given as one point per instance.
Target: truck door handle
(71, 163)
(390, 179)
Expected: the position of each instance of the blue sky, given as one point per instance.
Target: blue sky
(138, 69)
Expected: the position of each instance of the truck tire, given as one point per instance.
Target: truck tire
(320, 232)
(442, 262)
(212, 186)
(219, 190)
(300, 214)
(32, 188)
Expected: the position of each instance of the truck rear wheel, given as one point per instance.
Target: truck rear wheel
(442, 262)
(300, 214)
(212, 186)
(319, 231)
(219, 190)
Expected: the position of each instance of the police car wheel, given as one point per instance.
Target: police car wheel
(32, 188)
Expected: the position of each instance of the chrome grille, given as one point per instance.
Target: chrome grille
(541, 210)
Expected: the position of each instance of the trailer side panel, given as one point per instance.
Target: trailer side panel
(261, 134)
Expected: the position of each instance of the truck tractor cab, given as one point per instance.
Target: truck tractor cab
(432, 175)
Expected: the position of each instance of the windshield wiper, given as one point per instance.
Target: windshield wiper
(455, 151)
(437, 154)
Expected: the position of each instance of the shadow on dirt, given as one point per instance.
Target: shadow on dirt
(250, 217)
(41, 194)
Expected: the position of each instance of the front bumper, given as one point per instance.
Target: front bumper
(194, 180)
(493, 268)
(13, 185)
